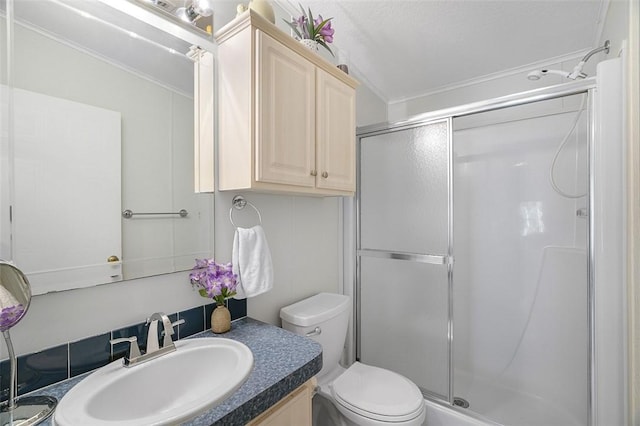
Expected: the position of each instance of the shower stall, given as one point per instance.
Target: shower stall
(475, 255)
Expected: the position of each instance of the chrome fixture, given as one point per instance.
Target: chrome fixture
(577, 70)
(196, 10)
(187, 14)
(239, 202)
(203, 7)
(153, 350)
(315, 332)
(128, 214)
(197, 13)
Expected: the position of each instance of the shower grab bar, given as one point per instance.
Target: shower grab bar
(413, 257)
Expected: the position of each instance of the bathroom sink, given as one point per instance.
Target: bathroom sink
(166, 390)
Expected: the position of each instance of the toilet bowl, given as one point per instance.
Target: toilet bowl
(363, 395)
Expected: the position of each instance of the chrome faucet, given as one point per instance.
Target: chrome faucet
(152, 336)
(153, 348)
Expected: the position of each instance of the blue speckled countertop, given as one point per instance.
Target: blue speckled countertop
(282, 362)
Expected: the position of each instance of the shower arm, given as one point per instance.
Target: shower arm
(577, 70)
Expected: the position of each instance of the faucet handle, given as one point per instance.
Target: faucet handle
(173, 324)
(134, 350)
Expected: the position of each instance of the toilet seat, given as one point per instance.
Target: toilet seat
(377, 394)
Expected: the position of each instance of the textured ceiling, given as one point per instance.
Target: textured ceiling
(409, 47)
(401, 48)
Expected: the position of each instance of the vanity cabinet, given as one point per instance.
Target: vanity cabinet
(293, 409)
(287, 116)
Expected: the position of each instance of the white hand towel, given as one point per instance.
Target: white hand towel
(251, 261)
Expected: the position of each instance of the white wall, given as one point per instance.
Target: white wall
(616, 25)
(621, 27)
(304, 238)
(370, 107)
(633, 209)
(56, 318)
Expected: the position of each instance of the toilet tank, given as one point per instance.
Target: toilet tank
(329, 312)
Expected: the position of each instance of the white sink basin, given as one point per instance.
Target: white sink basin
(167, 390)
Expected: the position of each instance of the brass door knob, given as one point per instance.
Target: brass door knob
(113, 258)
(325, 175)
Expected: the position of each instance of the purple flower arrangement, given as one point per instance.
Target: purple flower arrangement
(10, 315)
(308, 27)
(214, 280)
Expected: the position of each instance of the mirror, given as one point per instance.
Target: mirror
(103, 122)
(15, 296)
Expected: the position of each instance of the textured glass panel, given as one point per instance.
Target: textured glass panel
(520, 290)
(404, 320)
(403, 188)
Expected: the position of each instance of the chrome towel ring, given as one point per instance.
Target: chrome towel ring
(239, 203)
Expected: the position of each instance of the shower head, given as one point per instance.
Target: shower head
(534, 75)
(537, 74)
(577, 70)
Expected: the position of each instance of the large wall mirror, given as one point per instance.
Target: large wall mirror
(101, 114)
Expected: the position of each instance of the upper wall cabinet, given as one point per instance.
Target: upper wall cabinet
(287, 116)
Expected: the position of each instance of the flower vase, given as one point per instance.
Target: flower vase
(220, 319)
(310, 44)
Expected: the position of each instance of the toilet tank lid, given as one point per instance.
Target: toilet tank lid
(315, 309)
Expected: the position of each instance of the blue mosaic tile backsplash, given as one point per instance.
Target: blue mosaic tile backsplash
(53, 365)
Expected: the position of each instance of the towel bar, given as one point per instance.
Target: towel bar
(128, 214)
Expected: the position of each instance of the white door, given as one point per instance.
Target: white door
(65, 228)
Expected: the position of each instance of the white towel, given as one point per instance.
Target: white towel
(251, 261)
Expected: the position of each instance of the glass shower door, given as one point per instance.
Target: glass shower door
(403, 254)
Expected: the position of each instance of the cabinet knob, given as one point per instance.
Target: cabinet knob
(314, 173)
(325, 175)
(113, 258)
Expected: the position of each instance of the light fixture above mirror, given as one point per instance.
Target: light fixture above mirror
(196, 13)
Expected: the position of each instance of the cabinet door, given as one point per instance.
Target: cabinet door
(292, 410)
(285, 121)
(336, 138)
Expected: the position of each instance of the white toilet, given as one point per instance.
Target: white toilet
(363, 394)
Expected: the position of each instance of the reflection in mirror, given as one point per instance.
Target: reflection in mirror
(103, 122)
(197, 14)
(15, 296)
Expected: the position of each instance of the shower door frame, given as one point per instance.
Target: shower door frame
(587, 86)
